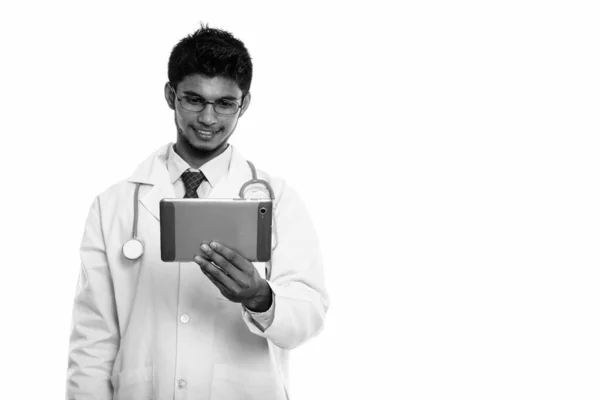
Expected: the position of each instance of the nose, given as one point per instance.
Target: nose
(208, 115)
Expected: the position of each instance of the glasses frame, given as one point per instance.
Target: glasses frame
(206, 102)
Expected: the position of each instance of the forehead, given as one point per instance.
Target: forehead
(209, 87)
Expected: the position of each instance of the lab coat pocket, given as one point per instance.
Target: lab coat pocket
(233, 383)
(137, 384)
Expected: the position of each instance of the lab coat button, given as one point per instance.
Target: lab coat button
(182, 383)
(185, 319)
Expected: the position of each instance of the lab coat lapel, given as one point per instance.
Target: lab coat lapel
(151, 201)
(153, 171)
(237, 174)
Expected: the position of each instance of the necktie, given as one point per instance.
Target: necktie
(191, 181)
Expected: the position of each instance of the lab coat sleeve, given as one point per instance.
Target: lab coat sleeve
(94, 340)
(263, 319)
(297, 280)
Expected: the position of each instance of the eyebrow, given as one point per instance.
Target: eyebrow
(192, 93)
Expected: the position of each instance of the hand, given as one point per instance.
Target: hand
(234, 276)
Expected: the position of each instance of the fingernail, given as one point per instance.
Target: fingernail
(204, 247)
(213, 245)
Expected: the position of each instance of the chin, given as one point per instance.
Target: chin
(205, 145)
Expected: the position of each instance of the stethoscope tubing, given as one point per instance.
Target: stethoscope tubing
(136, 196)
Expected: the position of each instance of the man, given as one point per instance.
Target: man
(220, 327)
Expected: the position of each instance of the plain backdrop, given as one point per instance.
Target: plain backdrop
(448, 154)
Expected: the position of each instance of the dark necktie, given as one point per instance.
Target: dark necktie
(191, 181)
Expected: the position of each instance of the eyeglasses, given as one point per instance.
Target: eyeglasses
(197, 104)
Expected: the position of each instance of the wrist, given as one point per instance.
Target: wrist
(262, 300)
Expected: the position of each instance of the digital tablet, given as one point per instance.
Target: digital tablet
(244, 225)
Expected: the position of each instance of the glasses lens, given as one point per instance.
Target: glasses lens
(194, 104)
(226, 107)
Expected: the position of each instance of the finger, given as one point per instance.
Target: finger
(232, 256)
(202, 257)
(208, 269)
(238, 276)
(217, 276)
(219, 286)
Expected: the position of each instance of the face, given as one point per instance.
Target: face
(205, 132)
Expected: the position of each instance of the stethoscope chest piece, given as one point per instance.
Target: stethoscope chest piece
(133, 249)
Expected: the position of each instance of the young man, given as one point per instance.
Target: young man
(146, 329)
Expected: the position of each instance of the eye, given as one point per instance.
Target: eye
(226, 104)
(196, 101)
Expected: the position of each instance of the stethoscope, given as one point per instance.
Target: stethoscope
(134, 248)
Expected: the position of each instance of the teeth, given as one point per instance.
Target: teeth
(207, 133)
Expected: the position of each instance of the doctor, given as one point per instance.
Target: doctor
(145, 329)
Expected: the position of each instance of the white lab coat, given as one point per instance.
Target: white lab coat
(146, 329)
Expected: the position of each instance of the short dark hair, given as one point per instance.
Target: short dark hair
(211, 52)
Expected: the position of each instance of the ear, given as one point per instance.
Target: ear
(245, 104)
(170, 96)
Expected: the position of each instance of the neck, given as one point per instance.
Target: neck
(194, 157)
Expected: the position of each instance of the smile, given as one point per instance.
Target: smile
(206, 134)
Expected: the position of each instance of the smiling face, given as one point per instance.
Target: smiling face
(203, 135)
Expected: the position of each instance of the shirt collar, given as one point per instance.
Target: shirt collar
(213, 170)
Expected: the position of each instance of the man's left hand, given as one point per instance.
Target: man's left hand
(235, 277)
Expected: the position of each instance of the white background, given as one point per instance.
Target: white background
(447, 151)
